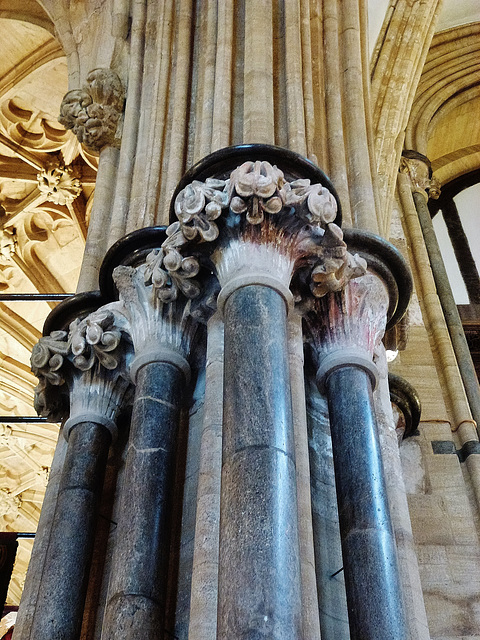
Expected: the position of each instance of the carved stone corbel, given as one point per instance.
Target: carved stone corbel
(93, 112)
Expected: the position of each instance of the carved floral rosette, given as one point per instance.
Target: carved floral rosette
(59, 184)
(85, 369)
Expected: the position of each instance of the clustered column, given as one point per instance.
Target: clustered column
(254, 224)
(253, 231)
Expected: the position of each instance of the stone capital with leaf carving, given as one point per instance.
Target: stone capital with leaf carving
(83, 372)
(345, 327)
(157, 302)
(255, 225)
(93, 113)
(418, 169)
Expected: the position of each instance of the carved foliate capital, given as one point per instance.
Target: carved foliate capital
(345, 327)
(48, 358)
(233, 223)
(352, 318)
(257, 224)
(84, 369)
(253, 190)
(59, 184)
(418, 169)
(93, 112)
(156, 298)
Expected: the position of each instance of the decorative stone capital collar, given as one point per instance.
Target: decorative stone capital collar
(419, 169)
(253, 214)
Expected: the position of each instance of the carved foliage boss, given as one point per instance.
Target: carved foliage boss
(93, 112)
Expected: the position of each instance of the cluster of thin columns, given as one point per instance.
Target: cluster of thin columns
(259, 574)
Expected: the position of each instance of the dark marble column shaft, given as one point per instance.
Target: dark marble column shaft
(372, 582)
(450, 310)
(62, 595)
(136, 598)
(259, 581)
(461, 248)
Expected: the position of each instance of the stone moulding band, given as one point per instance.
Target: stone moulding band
(161, 354)
(348, 357)
(260, 279)
(90, 416)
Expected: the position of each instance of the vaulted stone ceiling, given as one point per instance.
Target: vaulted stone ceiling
(46, 186)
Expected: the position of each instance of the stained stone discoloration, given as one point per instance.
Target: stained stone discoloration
(259, 584)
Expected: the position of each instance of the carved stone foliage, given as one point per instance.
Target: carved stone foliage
(169, 272)
(95, 346)
(353, 318)
(156, 313)
(254, 189)
(258, 205)
(9, 503)
(59, 184)
(93, 112)
(419, 172)
(8, 244)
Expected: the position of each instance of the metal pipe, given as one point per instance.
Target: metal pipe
(28, 297)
